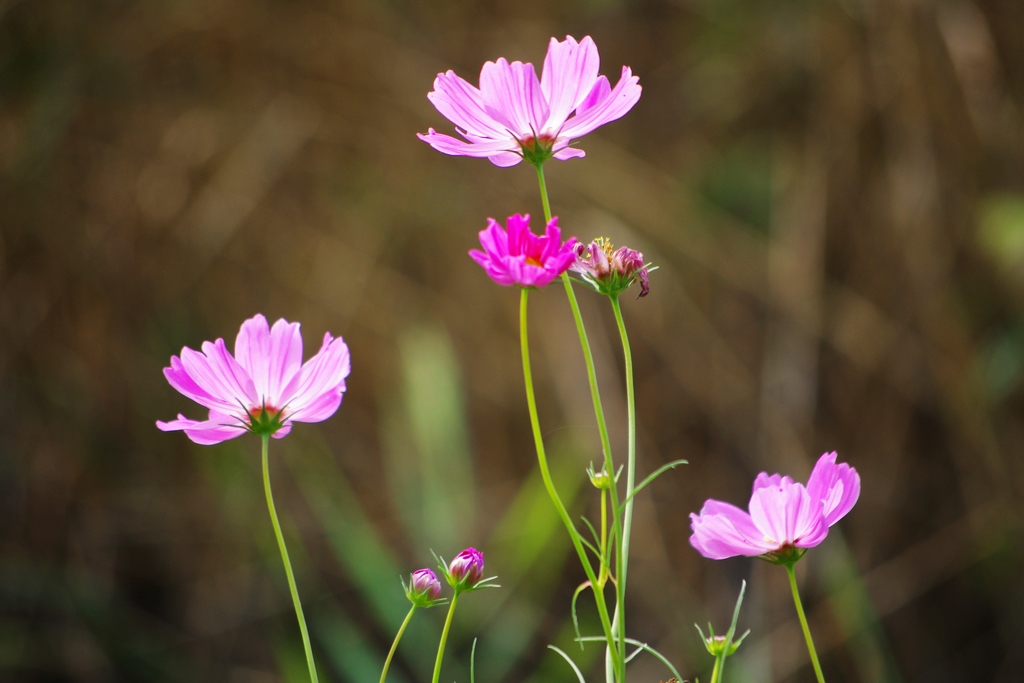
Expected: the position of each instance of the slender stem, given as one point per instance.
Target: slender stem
(588, 357)
(803, 624)
(716, 673)
(604, 538)
(544, 193)
(542, 461)
(619, 659)
(627, 515)
(287, 563)
(394, 645)
(444, 637)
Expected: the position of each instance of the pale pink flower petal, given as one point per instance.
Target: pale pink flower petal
(218, 374)
(723, 530)
(511, 94)
(218, 428)
(463, 105)
(569, 153)
(271, 357)
(786, 515)
(836, 485)
(614, 106)
(319, 384)
(570, 71)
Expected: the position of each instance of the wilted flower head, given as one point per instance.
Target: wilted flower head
(785, 517)
(610, 271)
(263, 388)
(518, 257)
(514, 116)
(424, 590)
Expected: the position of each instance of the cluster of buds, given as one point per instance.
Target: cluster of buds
(465, 573)
(610, 271)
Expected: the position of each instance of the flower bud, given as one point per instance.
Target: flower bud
(424, 589)
(716, 645)
(600, 479)
(467, 569)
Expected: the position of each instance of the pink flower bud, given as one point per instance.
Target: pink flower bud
(467, 569)
(423, 585)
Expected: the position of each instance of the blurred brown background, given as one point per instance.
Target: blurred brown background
(834, 193)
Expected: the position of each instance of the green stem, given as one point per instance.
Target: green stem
(716, 673)
(394, 645)
(803, 624)
(287, 563)
(619, 660)
(544, 193)
(627, 516)
(444, 637)
(542, 461)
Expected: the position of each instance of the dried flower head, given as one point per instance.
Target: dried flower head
(610, 271)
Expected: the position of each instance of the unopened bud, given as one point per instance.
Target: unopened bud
(601, 479)
(467, 569)
(424, 590)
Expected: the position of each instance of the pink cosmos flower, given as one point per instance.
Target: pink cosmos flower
(513, 115)
(518, 257)
(263, 388)
(784, 515)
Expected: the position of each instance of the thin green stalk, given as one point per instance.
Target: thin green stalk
(444, 637)
(602, 427)
(581, 330)
(803, 624)
(287, 563)
(543, 193)
(627, 516)
(542, 460)
(717, 671)
(394, 645)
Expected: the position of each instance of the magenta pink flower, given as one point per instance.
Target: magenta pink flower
(263, 388)
(518, 257)
(513, 115)
(785, 517)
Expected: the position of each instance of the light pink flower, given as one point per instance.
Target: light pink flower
(784, 515)
(513, 115)
(518, 257)
(263, 388)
